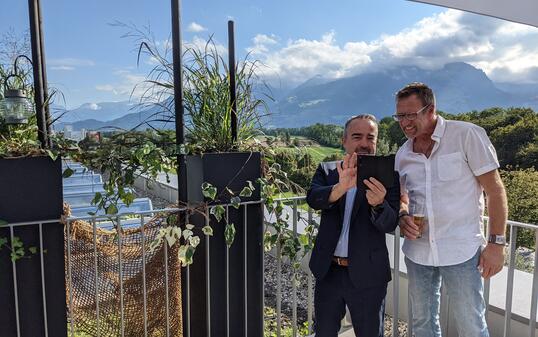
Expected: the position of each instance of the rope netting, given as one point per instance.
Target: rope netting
(108, 289)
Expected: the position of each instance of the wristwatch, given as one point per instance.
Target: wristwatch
(497, 239)
(403, 213)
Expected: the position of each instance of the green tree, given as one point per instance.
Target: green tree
(390, 131)
(522, 189)
(385, 148)
(514, 141)
(286, 158)
(306, 161)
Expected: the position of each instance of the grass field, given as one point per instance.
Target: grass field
(318, 152)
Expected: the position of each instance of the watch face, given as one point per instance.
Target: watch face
(498, 239)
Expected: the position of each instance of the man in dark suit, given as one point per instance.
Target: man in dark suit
(350, 258)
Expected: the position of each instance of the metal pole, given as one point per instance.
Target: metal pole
(396, 285)
(38, 79)
(178, 99)
(46, 97)
(231, 66)
(178, 71)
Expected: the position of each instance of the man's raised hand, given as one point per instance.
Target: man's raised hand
(347, 172)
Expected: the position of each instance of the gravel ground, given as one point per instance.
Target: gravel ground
(270, 276)
(158, 203)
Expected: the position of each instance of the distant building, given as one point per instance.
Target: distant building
(69, 133)
(93, 136)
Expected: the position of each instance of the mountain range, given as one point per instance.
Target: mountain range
(459, 87)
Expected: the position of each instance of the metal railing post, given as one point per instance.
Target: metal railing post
(510, 282)
(396, 284)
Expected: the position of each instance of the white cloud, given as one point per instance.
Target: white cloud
(130, 83)
(196, 28)
(69, 63)
(265, 39)
(311, 103)
(93, 106)
(201, 44)
(106, 87)
(262, 43)
(505, 51)
(127, 84)
(66, 68)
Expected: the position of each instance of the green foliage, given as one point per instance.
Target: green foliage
(306, 161)
(121, 158)
(247, 190)
(229, 234)
(325, 134)
(516, 143)
(19, 140)
(522, 189)
(333, 157)
(218, 212)
(209, 191)
(513, 132)
(273, 184)
(206, 98)
(302, 176)
(384, 148)
(270, 326)
(319, 153)
(390, 132)
(17, 249)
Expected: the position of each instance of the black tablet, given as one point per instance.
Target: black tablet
(379, 167)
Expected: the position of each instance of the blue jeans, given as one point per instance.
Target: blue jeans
(464, 288)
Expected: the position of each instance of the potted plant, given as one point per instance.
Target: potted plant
(219, 170)
(31, 192)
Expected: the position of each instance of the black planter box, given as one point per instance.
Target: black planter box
(222, 170)
(31, 191)
(219, 301)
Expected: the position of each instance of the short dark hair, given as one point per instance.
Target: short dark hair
(423, 92)
(362, 116)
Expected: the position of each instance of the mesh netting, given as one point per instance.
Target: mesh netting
(96, 274)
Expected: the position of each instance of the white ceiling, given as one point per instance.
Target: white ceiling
(521, 11)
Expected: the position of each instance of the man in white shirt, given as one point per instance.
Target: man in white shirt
(447, 165)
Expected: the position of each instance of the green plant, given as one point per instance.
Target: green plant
(21, 140)
(16, 248)
(521, 189)
(206, 96)
(122, 157)
(270, 326)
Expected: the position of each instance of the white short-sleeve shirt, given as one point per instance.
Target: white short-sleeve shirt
(453, 197)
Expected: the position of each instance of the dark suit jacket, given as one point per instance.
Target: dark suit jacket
(367, 252)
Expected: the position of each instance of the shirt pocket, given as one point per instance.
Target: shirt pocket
(449, 166)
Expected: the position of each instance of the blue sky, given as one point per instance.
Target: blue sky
(296, 39)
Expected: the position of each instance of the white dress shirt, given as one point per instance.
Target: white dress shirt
(454, 198)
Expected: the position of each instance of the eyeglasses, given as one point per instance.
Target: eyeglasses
(409, 116)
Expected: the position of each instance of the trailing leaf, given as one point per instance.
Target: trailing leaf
(236, 202)
(209, 191)
(207, 230)
(229, 234)
(218, 212)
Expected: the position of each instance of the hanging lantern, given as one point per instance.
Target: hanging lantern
(15, 108)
